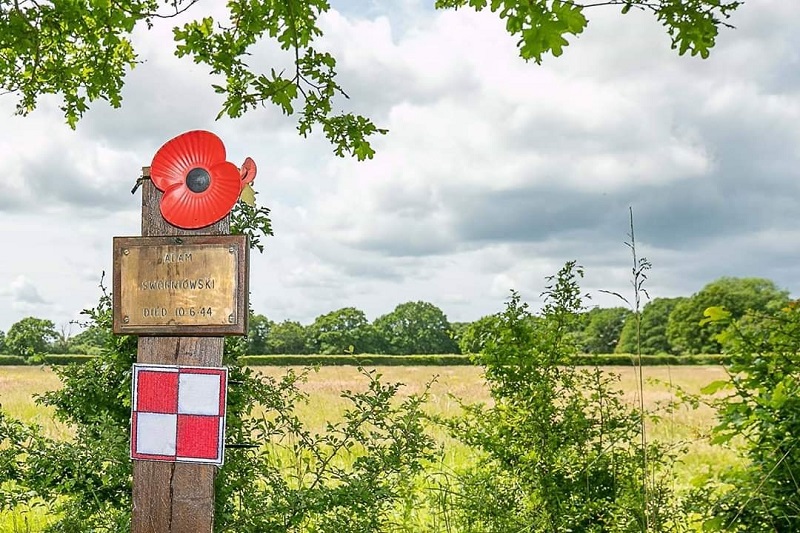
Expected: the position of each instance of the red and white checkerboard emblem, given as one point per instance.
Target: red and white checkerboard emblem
(178, 413)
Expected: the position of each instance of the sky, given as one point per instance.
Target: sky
(494, 173)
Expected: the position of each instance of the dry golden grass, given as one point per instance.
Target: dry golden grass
(687, 428)
(684, 427)
(324, 387)
(18, 387)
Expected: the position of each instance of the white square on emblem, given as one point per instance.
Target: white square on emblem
(156, 433)
(198, 394)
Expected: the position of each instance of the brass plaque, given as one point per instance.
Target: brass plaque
(189, 285)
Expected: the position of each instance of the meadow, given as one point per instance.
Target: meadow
(686, 428)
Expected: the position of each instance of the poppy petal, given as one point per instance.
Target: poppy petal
(181, 154)
(248, 171)
(225, 187)
(178, 207)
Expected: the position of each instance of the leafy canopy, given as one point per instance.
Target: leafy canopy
(652, 328)
(258, 331)
(341, 331)
(81, 50)
(287, 337)
(686, 331)
(415, 327)
(603, 329)
(30, 336)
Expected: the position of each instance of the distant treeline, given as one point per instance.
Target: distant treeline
(614, 359)
(665, 326)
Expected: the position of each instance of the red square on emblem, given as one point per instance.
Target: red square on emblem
(198, 436)
(157, 392)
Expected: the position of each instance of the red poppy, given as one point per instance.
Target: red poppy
(200, 187)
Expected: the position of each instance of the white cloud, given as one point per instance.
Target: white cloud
(23, 292)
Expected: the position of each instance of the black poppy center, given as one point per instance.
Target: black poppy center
(198, 180)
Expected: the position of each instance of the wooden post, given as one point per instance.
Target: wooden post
(174, 497)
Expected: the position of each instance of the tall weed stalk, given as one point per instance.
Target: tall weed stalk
(639, 271)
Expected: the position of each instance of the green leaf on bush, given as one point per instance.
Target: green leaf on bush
(715, 314)
(721, 438)
(715, 386)
(778, 395)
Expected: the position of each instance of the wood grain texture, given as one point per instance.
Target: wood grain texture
(174, 497)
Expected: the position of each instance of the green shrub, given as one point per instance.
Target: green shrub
(11, 360)
(620, 359)
(759, 407)
(461, 360)
(356, 360)
(559, 447)
(399, 360)
(66, 359)
(473, 338)
(86, 481)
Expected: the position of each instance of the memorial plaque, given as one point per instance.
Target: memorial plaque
(188, 285)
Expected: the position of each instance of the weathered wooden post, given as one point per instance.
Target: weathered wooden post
(181, 287)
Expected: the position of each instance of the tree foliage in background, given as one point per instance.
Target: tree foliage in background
(82, 50)
(557, 444)
(342, 331)
(685, 333)
(259, 329)
(653, 329)
(603, 328)
(90, 341)
(415, 327)
(30, 336)
(287, 337)
(758, 410)
(457, 331)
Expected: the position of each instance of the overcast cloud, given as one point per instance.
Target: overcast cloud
(495, 172)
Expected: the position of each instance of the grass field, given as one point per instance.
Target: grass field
(18, 385)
